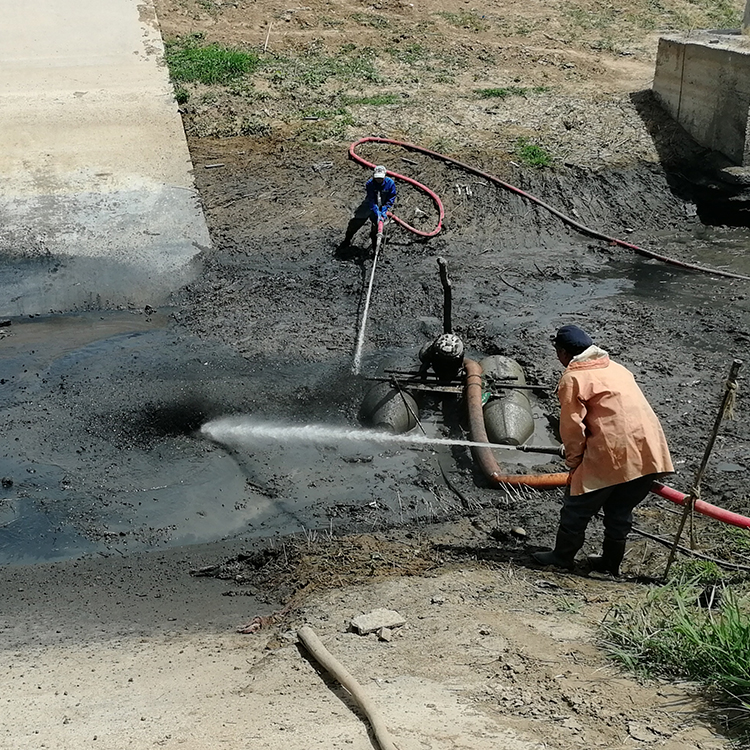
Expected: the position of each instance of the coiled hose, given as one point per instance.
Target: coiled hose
(507, 186)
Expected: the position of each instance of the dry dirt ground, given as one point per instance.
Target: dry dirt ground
(134, 652)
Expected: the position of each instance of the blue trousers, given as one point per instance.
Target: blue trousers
(616, 501)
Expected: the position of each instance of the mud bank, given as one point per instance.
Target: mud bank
(102, 410)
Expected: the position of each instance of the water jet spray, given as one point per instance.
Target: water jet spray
(245, 430)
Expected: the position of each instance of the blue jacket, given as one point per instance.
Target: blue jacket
(387, 192)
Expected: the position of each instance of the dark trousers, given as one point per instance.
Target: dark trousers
(616, 501)
(361, 215)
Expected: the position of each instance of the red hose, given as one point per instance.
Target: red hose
(491, 469)
(414, 183)
(491, 178)
(712, 511)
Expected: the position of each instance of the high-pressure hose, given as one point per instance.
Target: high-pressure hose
(491, 469)
(491, 178)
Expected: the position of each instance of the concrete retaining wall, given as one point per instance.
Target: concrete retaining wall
(703, 80)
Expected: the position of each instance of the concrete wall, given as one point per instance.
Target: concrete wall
(703, 80)
(98, 206)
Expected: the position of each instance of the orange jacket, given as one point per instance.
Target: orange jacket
(610, 432)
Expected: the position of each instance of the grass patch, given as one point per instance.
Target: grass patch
(411, 54)
(531, 155)
(370, 19)
(506, 91)
(191, 60)
(377, 100)
(181, 94)
(466, 20)
(668, 633)
(315, 67)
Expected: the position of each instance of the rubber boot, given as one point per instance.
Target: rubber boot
(563, 556)
(613, 550)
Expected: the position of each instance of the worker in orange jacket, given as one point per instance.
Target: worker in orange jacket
(614, 446)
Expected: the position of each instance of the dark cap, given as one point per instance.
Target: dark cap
(572, 339)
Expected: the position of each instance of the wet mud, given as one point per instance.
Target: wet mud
(101, 411)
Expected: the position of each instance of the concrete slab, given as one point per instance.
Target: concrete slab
(702, 80)
(98, 206)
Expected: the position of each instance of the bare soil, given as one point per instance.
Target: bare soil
(494, 652)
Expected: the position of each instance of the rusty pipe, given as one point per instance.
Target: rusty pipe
(484, 455)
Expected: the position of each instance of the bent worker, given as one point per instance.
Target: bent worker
(380, 195)
(614, 446)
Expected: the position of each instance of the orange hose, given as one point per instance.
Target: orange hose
(483, 455)
(491, 469)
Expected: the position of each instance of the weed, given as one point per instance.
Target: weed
(191, 60)
(411, 54)
(330, 23)
(694, 572)
(602, 19)
(250, 126)
(323, 114)
(315, 67)
(531, 155)
(606, 44)
(501, 93)
(740, 538)
(571, 606)
(377, 100)
(370, 19)
(465, 20)
(525, 28)
(668, 633)
(181, 94)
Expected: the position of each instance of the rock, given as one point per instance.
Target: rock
(385, 634)
(377, 619)
(641, 732)
(519, 531)
(735, 175)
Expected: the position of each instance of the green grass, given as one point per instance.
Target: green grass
(465, 20)
(376, 100)
(410, 54)
(531, 155)
(666, 633)
(740, 538)
(370, 19)
(314, 67)
(506, 91)
(191, 60)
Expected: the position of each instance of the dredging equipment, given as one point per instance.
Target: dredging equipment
(496, 477)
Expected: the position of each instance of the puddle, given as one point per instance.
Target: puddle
(102, 453)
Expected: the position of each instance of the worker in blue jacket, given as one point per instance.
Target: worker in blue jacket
(379, 199)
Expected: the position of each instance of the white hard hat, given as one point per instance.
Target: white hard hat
(379, 171)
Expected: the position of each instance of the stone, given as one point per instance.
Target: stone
(385, 634)
(377, 619)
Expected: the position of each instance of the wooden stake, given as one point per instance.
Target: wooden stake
(725, 410)
(268, 34)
